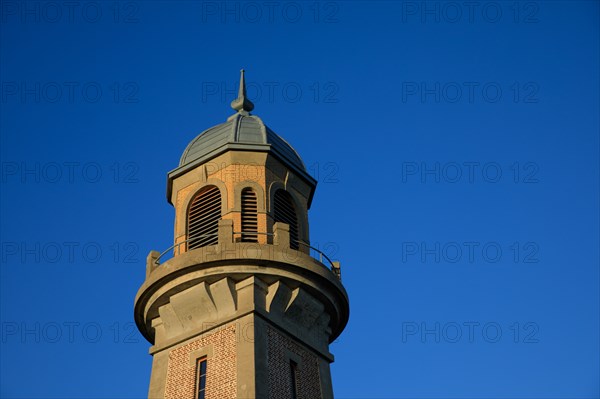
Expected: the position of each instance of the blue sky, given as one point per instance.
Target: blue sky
(455, 145)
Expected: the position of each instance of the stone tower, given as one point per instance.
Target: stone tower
(242, 309)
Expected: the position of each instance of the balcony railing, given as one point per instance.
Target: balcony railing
(280, 237)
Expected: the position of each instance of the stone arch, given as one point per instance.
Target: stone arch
(301, 211)
(258, 189)
(183, 206)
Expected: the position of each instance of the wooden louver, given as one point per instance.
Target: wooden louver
(203, 218)
(249, 216)
(285, 212)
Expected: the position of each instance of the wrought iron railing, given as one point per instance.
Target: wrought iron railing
(321, 256)
(176, 245)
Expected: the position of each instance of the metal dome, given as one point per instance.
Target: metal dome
(242, 131)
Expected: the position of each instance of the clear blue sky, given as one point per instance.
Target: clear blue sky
(457, 154)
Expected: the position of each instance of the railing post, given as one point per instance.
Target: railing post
(180, 247)
(281, 232)
(225, 231)
(336, 268)
(151, 262)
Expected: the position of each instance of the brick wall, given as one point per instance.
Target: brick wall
(220, 367)
(280, 383)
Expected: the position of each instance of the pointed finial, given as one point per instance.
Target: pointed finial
(241, 103)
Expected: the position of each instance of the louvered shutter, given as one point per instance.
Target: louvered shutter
(285, 212)
(249, 216)
(203, 218)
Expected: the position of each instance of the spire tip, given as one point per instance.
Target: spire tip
(241, 103)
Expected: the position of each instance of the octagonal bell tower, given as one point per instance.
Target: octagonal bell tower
(241, 308)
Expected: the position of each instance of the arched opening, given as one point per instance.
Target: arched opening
(285, 212)
(249, 216)
(203, 218)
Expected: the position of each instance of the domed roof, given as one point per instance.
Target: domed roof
(241, 131)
